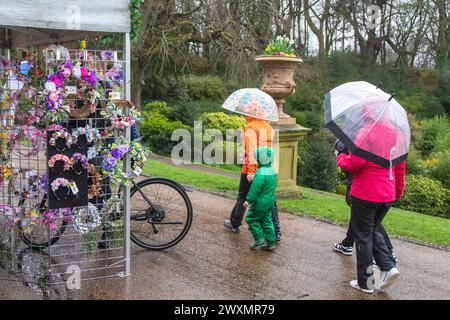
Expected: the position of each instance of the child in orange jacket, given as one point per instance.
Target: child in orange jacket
(257, 133)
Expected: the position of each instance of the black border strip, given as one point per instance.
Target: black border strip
(360, 152)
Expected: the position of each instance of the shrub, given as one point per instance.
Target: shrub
(222, 121)
(425, 195)
(188, 112)
(156, 131)
(440, 170)
(300, 117)
(414, 164)
(158, 106)
(203, 87)
(431, 107)
(317, 167)
(432, 134)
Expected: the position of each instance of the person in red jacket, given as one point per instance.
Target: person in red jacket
(374, 189)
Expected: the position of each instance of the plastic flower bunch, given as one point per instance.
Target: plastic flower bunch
(112, 160)
(281, 46)
(139, 155)
(118, 119)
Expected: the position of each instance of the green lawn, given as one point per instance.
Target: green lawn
(317, 204)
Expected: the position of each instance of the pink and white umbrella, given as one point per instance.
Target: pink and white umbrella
(252, 102)
(369, 121)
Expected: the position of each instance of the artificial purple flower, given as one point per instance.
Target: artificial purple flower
(91, 78)
(68, 64)
(116, 153)
(109, 163)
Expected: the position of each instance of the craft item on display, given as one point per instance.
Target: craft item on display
(139, 156)
(89, 134)
(36, 184)
(55, 91)
(96, 185)
(92, 153)
(6, 171)
(119, 120)
(25, 67)
(62, 182)
(60, 157)
(79, 160)
(61, 134)
(112, 160)
(36, 138)
(92, 218)
(49, 217)
(29, 218)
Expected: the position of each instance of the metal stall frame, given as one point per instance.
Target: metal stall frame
(45, 26)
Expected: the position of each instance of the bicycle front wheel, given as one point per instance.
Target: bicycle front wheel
(161, 213)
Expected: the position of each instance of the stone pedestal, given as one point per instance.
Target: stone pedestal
(278, 81)
(287, 139)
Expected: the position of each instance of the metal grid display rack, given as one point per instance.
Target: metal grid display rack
(49, 240)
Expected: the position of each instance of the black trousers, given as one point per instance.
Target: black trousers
(237, 214)
(349, 241)
(370, 243)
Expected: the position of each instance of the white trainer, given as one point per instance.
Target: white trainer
(354, 285)
(387, 278)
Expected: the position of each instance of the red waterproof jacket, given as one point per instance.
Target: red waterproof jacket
(372, 182)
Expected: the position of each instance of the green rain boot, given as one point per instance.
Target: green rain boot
(254, 245)
(268, 247)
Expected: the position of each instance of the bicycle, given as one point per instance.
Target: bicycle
(150, 213)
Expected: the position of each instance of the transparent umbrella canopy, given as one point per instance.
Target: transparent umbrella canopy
(369, 121)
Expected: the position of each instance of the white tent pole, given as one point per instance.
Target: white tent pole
(126, 195)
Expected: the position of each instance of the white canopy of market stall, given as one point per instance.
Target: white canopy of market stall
(40, 22)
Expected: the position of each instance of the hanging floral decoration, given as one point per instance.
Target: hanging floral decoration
(96, 186)
(81, 159)
(119, 120)
(61, 134)
(70, 73)
(49, 217)
(89, 133)
(37, 139)
(91, 215)
(62, 182)
(112, 160)
(60, 157)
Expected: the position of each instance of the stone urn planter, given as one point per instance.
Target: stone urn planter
(278, 80)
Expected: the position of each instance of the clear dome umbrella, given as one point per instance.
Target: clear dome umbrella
(369, 121)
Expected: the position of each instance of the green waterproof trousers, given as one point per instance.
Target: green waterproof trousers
(261, 226)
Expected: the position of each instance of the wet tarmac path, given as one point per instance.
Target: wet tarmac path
(212, 263)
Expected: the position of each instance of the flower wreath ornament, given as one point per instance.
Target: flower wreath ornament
(62, 182)
(92, 221)
(55, 93)
(61, 134)
(37, 139)
(82, 160)
(114, 111)
(60, 157)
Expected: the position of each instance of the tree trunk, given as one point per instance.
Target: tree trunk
(443, 48)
